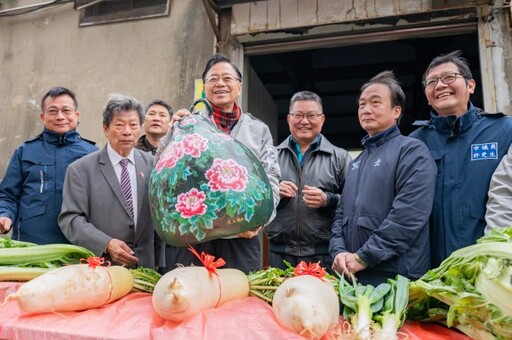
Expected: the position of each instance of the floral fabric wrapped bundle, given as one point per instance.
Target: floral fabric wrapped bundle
(207, 185)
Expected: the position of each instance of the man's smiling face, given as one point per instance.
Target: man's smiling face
(452, 98)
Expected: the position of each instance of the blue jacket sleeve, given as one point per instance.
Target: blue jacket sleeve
(11, 186)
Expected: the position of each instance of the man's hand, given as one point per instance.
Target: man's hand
(5, 224)
(178, 115)
(314, 197)
(345, 263)
(120, 252)
(249, 233)
(287, 189)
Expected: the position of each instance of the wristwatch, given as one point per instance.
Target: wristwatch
(361, 262)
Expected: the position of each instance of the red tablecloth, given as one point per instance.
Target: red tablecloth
(133, 317)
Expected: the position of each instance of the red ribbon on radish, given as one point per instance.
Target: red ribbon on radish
(95, 261)
(208, 260)
(313, 269)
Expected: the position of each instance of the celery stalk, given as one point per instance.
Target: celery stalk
(20, 274)
(7, 242)
(43, 255)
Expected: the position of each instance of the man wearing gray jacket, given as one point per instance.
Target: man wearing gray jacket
(499, 212)
(313, 174)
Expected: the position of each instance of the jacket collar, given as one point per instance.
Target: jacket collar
(144, 144)
(380, 138)
(453, 124)
(324, 144)
(57, 138)
(313, 146)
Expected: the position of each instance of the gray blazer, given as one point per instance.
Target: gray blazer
(94, 209)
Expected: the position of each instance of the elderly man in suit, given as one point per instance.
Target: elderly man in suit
(106, 206)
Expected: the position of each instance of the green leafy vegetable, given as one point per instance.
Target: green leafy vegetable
(471, 289)
(263, 283)
(145, 279)
(45, 256)
(23, 261)
(7, 242)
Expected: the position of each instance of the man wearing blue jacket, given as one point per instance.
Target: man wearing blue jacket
(31, 191)
(467, 145)
(381, 227)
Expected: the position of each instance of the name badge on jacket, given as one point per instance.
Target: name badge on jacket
(484, 151)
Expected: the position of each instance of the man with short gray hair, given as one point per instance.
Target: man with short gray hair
(106, 206)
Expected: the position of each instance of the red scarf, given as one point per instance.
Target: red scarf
(226, 120)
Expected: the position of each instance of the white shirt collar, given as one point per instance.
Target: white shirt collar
(115, 158)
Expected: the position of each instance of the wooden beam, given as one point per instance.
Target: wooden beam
(212, 18)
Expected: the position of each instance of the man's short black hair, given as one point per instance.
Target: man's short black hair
(454, 57)
(58, 91)
(161, 103)
(219, 58)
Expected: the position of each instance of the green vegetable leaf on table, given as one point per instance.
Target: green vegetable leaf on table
(471, 289)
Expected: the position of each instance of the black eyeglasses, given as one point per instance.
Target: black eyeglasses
(300, 116)
(66, 111)
(225, 80)
(446, 78)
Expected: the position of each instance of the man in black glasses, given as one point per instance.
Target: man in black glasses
(467, 145)
(31, 191)
(312, 177)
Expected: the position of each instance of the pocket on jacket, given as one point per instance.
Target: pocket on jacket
(477, 211)
(366, 225)
(369, 222)
(40, 173)
(32, 212)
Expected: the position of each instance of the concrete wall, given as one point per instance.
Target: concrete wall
(151, 58)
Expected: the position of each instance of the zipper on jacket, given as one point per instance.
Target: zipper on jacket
(363, 162)
(300, 186)
(300, 201)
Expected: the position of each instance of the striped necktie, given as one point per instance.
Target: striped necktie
(125, 185)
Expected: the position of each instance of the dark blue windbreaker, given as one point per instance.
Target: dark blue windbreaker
(31, 190)
(467, 150)
(386, 203)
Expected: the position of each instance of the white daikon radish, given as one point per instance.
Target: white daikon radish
(186, 291)
(73, 288)
(307, 305)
